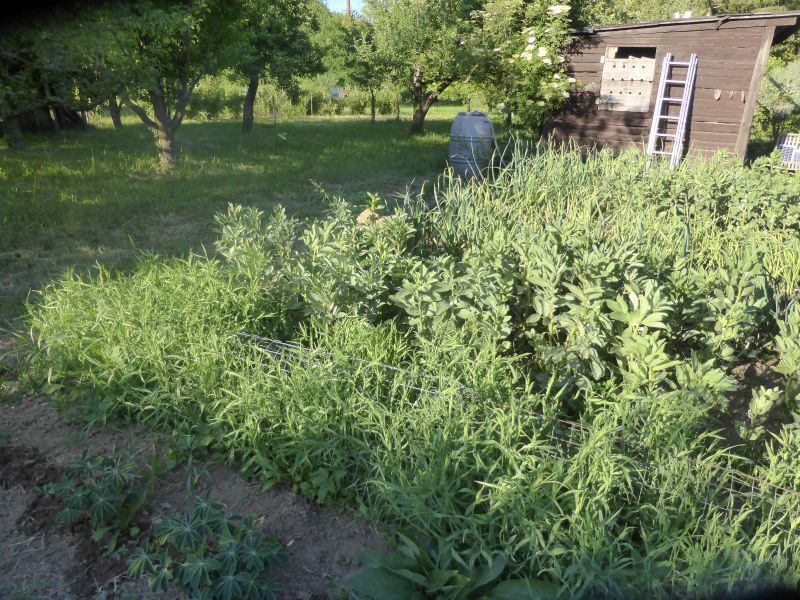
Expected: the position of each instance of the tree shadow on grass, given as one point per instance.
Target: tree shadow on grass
(96, 196)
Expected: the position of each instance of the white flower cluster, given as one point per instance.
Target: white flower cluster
(558, 9)
(542, 51)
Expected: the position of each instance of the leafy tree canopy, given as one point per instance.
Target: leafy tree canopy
(59, 59)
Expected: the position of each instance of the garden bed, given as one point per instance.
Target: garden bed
(526, 377)
(41, 559)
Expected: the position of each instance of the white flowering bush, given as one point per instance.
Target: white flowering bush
(519, 47)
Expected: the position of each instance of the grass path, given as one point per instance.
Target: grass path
(82, 198)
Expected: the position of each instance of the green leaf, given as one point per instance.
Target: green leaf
(197, 570)
(228, 587)
(159, 580)
(381, 584)
(489, 573)
(141, 564)
(522, 589)
(98, 534)
(228, 556)
(418, 578)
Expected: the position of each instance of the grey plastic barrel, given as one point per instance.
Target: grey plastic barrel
(472, 143)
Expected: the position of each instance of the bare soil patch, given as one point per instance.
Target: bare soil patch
(40, 560)
(750, 376)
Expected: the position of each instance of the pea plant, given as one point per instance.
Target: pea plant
(760, 405)
(787, 344)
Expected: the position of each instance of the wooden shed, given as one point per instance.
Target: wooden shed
(618, 68)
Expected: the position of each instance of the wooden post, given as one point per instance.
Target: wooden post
(752, 93)
(274, 111)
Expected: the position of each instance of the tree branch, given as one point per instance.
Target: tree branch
(184, 95)
(439, 89)
(160, 110)
(140, 112)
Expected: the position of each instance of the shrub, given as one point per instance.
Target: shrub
(217, 97)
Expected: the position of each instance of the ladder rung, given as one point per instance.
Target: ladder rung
(673, 141)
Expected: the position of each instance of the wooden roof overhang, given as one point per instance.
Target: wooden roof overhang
(785, 23)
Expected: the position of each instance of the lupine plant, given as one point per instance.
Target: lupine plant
(208, 554)
(106, 490)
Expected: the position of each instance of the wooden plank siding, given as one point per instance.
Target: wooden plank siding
(732, 53)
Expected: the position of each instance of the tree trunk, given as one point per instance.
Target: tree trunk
(424, 99)
(168, 153)
(417, 91)
(51, 109)
(372, 105)
(54, 118)
(115, 111)
(13, 134)
(421, 108)
(164, 129)
(249, 102)
(418, 121)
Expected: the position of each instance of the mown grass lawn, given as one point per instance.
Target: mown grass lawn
(82, 198)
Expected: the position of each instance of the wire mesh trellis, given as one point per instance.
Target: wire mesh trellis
(730, 491)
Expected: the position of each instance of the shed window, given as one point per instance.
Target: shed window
(633, 52)
(627, 80)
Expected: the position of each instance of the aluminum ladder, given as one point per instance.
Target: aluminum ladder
(661, 116)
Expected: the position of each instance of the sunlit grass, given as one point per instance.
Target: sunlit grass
(97, 196)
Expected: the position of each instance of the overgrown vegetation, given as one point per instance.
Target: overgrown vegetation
(535, 367)
(221, 97)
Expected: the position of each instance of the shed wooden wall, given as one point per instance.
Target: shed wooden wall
(730, 59)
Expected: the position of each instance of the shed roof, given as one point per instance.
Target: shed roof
(787, 19)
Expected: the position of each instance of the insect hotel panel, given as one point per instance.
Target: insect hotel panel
(626, 84)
